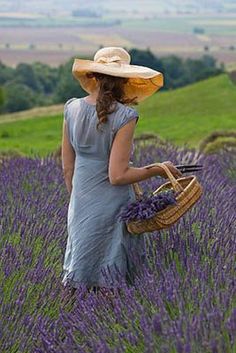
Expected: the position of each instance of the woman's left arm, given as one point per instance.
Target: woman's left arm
(67, 157)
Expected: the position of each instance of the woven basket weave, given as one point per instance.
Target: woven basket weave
(189, 191)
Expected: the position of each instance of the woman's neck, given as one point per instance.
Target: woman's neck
(92, 99)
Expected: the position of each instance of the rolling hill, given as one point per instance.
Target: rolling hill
(183, 116)
(188, 114)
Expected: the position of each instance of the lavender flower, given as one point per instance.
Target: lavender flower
(182, 298)
(147, 206)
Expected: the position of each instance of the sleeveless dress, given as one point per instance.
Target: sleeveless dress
(96, 239)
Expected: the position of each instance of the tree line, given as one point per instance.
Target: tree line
(38, 84)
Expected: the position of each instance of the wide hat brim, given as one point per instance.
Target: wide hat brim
(142, 81)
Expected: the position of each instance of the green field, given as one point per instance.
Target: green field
(53, 22)
(188, 114)
(184, 24)
(180, 24)
(183, 116)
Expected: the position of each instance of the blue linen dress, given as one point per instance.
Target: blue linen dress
(96, 239)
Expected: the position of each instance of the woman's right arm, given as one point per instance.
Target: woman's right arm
(119, 170)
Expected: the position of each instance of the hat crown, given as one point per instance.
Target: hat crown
(112, 54)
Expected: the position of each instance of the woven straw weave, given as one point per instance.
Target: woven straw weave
(189, 191)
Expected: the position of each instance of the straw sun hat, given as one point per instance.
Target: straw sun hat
(115, 61)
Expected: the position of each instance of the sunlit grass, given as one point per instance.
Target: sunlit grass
(183, 116)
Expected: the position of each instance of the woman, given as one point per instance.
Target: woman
(97, 142)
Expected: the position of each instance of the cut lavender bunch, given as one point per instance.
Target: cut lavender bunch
(147, 206)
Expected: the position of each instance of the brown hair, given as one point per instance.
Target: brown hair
(111, 91)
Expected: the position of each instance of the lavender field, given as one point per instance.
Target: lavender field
(183, 300)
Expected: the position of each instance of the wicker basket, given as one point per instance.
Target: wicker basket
(189, 191)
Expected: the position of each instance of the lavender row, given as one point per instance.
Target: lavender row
(183, 299)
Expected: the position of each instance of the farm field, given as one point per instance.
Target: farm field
(136, 7)
(182, 116)
(54, 43)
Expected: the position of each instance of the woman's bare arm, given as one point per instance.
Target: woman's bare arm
(119, 170)
(67, 157)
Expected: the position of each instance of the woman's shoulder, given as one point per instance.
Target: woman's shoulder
(69, 101)
(71, 108)
(125, 114)
(127, 109)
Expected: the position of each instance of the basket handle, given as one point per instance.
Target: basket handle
(137, 190)
(176, 185)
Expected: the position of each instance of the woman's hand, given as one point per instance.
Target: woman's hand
(161, 172)
(173, 170)
(68, 176)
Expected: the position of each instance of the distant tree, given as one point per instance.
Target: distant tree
(40, 84)
(202, 68)
(209, 61)
(32, 46)
(46, 77)
(67, 86)
(146, 58)
(198, 30)
(6, 73)
(116, 22)
(2, 97)
(174, 71)
(18, 97)
(25, 74)
(85, 13)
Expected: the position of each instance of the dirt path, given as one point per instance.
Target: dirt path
(32, 113)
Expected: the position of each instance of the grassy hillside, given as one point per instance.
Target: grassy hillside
(190, 113)
(185, 115)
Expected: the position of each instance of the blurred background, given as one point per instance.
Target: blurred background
(193, 42)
